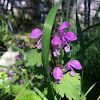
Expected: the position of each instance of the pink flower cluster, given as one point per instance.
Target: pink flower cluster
(58, 42)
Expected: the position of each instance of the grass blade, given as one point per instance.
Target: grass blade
(91, 42)
(15, 70)
(89, 90)
(15, 47)
(67, 10)
(46, 36)
(81, 42)
(95, 25)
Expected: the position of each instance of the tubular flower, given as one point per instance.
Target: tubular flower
(69, 36)
(61, 27)
(73, 64)
(10, 78)
(57, 74)
(21, 82)
(55, 43)
(20, 67)
(10, 72)
(37, 33)
(17, 57)
(66, 37)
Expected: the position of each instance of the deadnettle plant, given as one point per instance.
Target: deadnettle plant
(59, 42)
(57, 74)
(55, 44)
(66, 37)
(37, 33)
(74, 64)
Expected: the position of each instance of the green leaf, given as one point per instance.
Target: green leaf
(19, 62)
(15, 77)
(30, 96)
(13, 69)
(39, 73)
(34, 58)
(38, 76)
(26, 94)
(46, 36)
(79, 31)
(16, 88)
(69, 86)
(40, 93)
(98, 98)
(74, 51)
(91, 42)
(89, 90)
(88, 28)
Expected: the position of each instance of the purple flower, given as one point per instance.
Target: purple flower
(61, 27)
(69, 36)
(22, 56)
(37, 33)
(55, 43)
(10, 78)
(21, 47)
(33, 89)
(17, 57)
(56, 52)
(10, 72)
(19, 67)
(66, 37)
(21, 81)
(56, 40)
(73, 64)
(57, 74)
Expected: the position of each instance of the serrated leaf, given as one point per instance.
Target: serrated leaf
(29, 95)
(15, 77)
(19, 62)
(34, 58)
(39, 72)
(74, 51)
(38, 76)
(69, 86)
(16, 88)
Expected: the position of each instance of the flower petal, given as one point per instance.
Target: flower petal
(62, 26)
(57, 73)
(76, 64)
(35, 33)
(56, 52)
(62, 32)
(68, 67)
(39, 44)
(63, 41)
(67, 48)
(70, 36)
(72, 73)
(56, 40)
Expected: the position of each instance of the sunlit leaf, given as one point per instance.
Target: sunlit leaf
(69, 86)
(34, 58)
